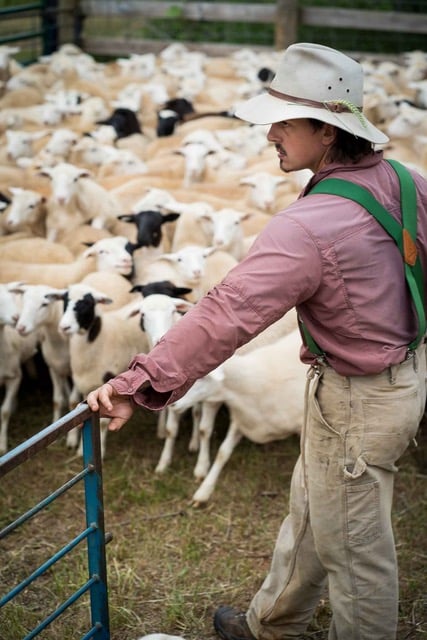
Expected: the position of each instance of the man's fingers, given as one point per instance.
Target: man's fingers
(116, 424)
(92, 401)
(104, 397)
(100, 396)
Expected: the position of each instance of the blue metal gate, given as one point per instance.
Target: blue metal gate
(94, 533)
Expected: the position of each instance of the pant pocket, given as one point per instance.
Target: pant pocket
(362, 509)
(389, 428)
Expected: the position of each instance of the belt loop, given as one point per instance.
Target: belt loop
(415, 361)
(392, 373)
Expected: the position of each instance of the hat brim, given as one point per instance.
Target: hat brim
(267, 109)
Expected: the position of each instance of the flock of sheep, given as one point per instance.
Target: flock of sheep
(127, 190)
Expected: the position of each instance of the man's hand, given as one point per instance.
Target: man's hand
(111, 404)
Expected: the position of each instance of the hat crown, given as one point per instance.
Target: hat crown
(319, 73)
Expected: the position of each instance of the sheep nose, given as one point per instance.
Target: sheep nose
(64, 329)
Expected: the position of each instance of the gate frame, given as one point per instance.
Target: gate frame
(94, 508)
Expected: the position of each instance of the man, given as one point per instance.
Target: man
(330, 258)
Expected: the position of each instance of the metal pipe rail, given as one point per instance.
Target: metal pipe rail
(94, 533)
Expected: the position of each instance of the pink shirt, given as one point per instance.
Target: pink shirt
(326, 256)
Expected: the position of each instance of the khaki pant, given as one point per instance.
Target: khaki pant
(338, 533)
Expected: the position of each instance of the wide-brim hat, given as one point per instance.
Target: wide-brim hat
(314, 81)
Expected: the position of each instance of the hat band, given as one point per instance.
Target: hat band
(337, 106)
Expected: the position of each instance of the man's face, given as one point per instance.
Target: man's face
(299, 145)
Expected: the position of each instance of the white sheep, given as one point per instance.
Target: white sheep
(264, 393)
(108, 254)
(38, 114)
(78, 239)
(40, 311)
(158, 313)
(6, 61)
(184, 267)
(15, 350)
(106, 159)
(409, 123)
(101, 343)
(35, 250)
(222, 228)
(116, 287)
(21, 144)
(209, 406)
(76, 193)
(58, 148)
(27, 210)
(263, 188)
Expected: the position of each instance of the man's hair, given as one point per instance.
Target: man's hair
(347, 148)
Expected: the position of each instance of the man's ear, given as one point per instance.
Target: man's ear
(329, 134)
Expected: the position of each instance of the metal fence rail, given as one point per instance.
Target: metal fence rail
(93, 534)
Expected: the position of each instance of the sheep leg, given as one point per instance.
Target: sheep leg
(73, 436)
(161, 424)
(209, 411)
(103, 426)
(7, 408)
(61, 393)
(207, 487)
(196, 412)
(172, 426)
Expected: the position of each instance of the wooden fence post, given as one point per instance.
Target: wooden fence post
(286, 31)
(70, 21)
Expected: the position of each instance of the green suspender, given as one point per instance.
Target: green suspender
(404, 235)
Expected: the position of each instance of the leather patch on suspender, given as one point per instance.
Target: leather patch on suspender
(409, 249)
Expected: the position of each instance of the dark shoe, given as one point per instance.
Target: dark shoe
(230, 624)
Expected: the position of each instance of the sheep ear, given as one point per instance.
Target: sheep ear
(137, 288)
(127, 217)
(170, 257)
(84, 173)
(204, 215)
(44, 171)
(134, 312)
(182, 291)
(56, 295)
(246, 181)
(16, 287)
(182, 306)
(170, 217)
(102, 298)
(88, 253)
